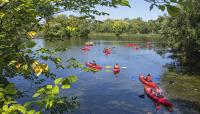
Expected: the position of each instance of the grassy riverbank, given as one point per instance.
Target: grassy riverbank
(183, 90)
(155, 36)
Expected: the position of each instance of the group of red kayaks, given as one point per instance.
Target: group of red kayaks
(98, 68)
(137, 46)
(107, 51)
(154, 92)
(88, 46)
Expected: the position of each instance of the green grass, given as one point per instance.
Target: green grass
(183, 90)
(151, 35)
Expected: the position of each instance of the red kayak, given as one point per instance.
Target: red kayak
(150, 84)
(92, 66)
(115, 71)
(131, 45)
(157, 99)
(85, 48)
(107, 51)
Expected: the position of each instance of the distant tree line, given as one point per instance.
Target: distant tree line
(62, 26)
(71, 26)
(130, 26)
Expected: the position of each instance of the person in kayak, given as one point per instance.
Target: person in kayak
(157, 92)
(116, 66)
(94, 62)
(148, 78)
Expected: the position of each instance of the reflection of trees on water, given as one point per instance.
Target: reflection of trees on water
(64, 43)
(182, 62)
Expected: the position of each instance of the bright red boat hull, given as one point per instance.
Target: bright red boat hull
(161, 100)
(92, 66)
(150, 84)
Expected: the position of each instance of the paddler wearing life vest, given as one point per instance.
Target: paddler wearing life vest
(116, 66)
(94, 62)
(148, 78)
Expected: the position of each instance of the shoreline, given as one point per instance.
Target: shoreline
(183, 91)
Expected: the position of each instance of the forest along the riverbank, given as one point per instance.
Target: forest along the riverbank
(183, 90)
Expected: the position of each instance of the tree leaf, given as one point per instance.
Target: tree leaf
(36, 95)
(31, 112)
(5, 107)
(55, 90)
(30, 44)
(45, 67)
(58, 81)
(151, 7)
(12, 62)
(21, 109)
(161, 7)
(38, 70)
(66, 84)
(172, 10)
(125, 3)
(49, 86)
(72, 79)
(5, 1)
(41, 90)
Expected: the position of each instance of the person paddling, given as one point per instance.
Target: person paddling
(116, 66)
(94, 62)
(149, 78)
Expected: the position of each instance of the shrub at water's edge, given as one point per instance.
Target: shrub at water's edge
(150, 35)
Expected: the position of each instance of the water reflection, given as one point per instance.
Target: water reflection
(104, 92)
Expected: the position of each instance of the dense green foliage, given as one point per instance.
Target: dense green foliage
(183, 36)
(129, 26)
(63, 26)
(17, 58)
(17, 17)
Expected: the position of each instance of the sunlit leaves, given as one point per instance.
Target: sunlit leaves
(58, 81)
(72, 79)
(57, 60)
(17, 19)
(70, 29)
(32, 34)
(49, 87)
(39, 68)
(121, 2)
(48, 94)
(36, 94)
(171, 6)
(12, 62)
(55, 90)
(118, 27)
(66, 84)
(125, 3)
(45, 67)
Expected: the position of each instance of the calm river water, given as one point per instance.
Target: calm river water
(103, 92)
